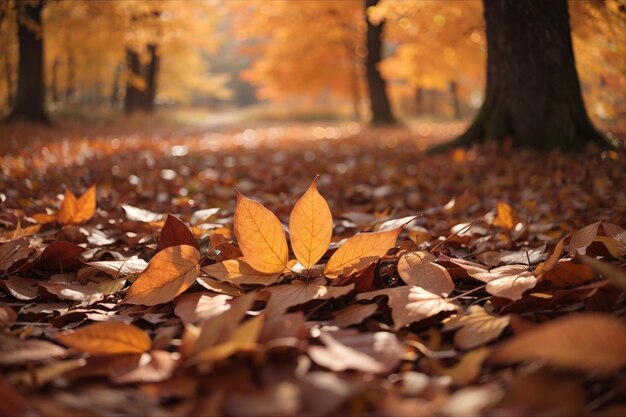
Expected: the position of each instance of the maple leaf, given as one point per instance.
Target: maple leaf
(168, 274)
(78, 210)
(260, 236)
(310, 227)
(359, 251)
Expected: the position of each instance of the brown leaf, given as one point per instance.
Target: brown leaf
(7, 315)
(154, 366)
(349, 349)
(59, 256)
(198, 306)
(242, 339)
(310, 227)
(12, 252)
(410, 304)
(141, 215)
(506, 217)
(568, 274)
(352, 315)
(239, 272)
(616, 275)
(107, 338)
(467, 370)
(78, 210)
(82, 293)
(20, 288)
(220, 287)
(261, 236)
(509, 281)
(583, 238)
(176, 233)
(593, 343)
(285, 296)
(359, 251)
(120, 268)
(18, 351)
(477, 327)
(168, 274)
(419, 269)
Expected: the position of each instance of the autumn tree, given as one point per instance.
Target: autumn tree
(377, 87)
(533, 92)
(29, 101)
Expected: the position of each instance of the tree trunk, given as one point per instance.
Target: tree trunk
(453, 89)
(9, 81)
(141, 98)
(379, 101)
(115, 87)
(54, 84)
(30, 97)
(533, 93)
(70, 87)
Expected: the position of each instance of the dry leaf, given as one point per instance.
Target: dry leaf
(239, 272)
(7, 315)
(59, 256)
(78, 210)
(410, 304)
(243, 338)
(352, 315)
(593, 343)
(568, 274)
(120, 268)
(614, 274)
(198, 306)
(107, 338)
(419, 269)
(141, 367)
(20, 288)
(378, 352)
(583, 238)
(359, 251)
(168, 274)
(12, 252)
(506, 217)
(261, 236)
(176, 233)
(285, 296)
(17, 351)
(477, 327)
(508, 281)
(310, 227)
(11, 401)
(467, 370)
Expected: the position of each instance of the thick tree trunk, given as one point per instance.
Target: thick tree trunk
(533, 93)
(141, 98)
(30, 97)
(379, 101)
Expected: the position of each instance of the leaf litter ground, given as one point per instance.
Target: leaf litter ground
(484, 281)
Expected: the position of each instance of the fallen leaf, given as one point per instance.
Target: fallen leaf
(568, 274)
(12, 252)
(587, 342)
(7, 315)
(199, 306)
(285, 296)
(176, 233)
(261, 236)
(419, 269)
(141, 215)
(310, 227)
(355, 314)
(359, 251)
(239, 272)
(410, 304)
(466, 370)
(17, 351)
(120, 268)
(20, 288)
(506, 217)
(220, 287)
(583, 238)
(144, 367)
(508, 281)
(11, 401)
(59, 256)
(477, 327)
(243, 338)
(78, 210)
(81, 293)
(107, 338)
(614, 274)
(168, 274)
(378, 352)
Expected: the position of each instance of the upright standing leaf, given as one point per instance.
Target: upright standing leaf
(583, 238)
(78, 210)
(175, 233)
(359, 251)
(107, 338)
(260, 236)
(311, 227)
(168, 274)
(506, 217)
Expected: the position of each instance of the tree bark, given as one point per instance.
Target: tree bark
(142, 98)
(30, 97)
(533, 93)
(379, 101)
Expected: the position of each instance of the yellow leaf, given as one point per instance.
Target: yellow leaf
(168, 274)
(359, 251)
(107, 338)
(78, 210)
(239, 272)
(260, 236)
(477, 327)
(311, 227)
(468, 368)
(586, 342)
(506, 217)
(244, 338)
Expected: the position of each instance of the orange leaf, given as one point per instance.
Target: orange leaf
(168, 274)
(107, 338)
(477, 328)
(284, 297)
(506, 217)
(311, 227)
(592, 343)
(420, 269)
(261, 236)
(239, 272)
(359, 251)
(78, 210)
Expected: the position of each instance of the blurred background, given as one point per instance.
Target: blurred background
(283, 59)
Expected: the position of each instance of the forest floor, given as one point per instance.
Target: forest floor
(492, 281)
